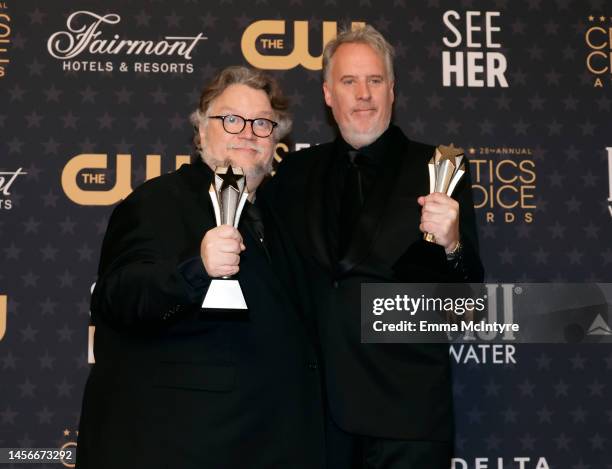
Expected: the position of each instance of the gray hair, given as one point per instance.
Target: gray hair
(365, 35)
(256, 79)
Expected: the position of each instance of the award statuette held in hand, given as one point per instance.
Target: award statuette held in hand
(228, 193)
(446, 168)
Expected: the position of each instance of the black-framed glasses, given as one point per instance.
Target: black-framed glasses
(234, 124)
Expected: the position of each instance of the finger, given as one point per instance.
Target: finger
(228, 246)
(228, 270)
(439, 197)
(229, 260)
(229, 232)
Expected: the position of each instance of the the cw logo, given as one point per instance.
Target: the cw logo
(3, 308)
(123, 181)
(300, 54)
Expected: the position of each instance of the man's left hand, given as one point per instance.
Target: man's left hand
(440, 217)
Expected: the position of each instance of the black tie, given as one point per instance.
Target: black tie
(352, 199)
(254, 222)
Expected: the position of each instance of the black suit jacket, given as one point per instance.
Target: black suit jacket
(382, 390)
(174, 386)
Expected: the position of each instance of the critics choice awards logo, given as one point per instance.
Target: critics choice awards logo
(89, 35)
(504, 183)
(598, 39)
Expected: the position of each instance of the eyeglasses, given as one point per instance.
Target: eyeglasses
(234, 124)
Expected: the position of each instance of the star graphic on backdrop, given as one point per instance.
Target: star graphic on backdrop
(33, 119)
(158, 148)
(173, 20)
(70, 120)
(66, 279)
(475, 415)
(50, 199)
(88, 95)
(526, 388)
(492, 442)
(142, 19)
(48, 252)
(597, 442)
(67, 226)
(226, 47)
(159, 96)
(591, 230)
(417, 126)
(123, 96)
(596, 388)
(544, 415)
(416, 24)
(382, 24)
(434, 50)
(45, 416)
(35, 68)
(30, 279)
(527, 441)
(14, 145)
(579, 415)
(177, 121)
(561, 388)
(8, 415)
(85, 253)
(141, 122)
(46, 361)
(36, 16)
(64, 389)
(47, 307)
(562, 441)
(243, 21)
(27, 388)
(31, 226)
(28, 334)
(208, 21)
(105, 121)
(65, 333)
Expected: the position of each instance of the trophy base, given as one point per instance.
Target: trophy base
(224, 295)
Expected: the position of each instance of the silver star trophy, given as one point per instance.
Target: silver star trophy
(228, 193)
(446, 168)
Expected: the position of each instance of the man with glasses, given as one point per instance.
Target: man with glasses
(175, 385)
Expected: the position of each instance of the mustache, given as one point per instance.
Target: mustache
(249, 146)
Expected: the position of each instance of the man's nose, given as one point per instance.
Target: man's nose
(363, 90)
(247, 132)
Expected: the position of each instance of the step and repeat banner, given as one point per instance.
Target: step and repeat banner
(95, 99)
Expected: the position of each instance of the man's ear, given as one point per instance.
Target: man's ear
(392, 91)
(327, 94)
(202, 133)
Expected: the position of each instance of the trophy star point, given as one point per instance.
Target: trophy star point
(230, 179)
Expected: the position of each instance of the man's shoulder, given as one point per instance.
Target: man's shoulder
(307, 156)
(161, 189)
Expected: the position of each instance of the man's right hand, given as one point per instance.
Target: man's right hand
(220, 250)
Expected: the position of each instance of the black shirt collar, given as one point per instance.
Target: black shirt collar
(375, 151)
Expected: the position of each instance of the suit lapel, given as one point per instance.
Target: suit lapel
(321, 224)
